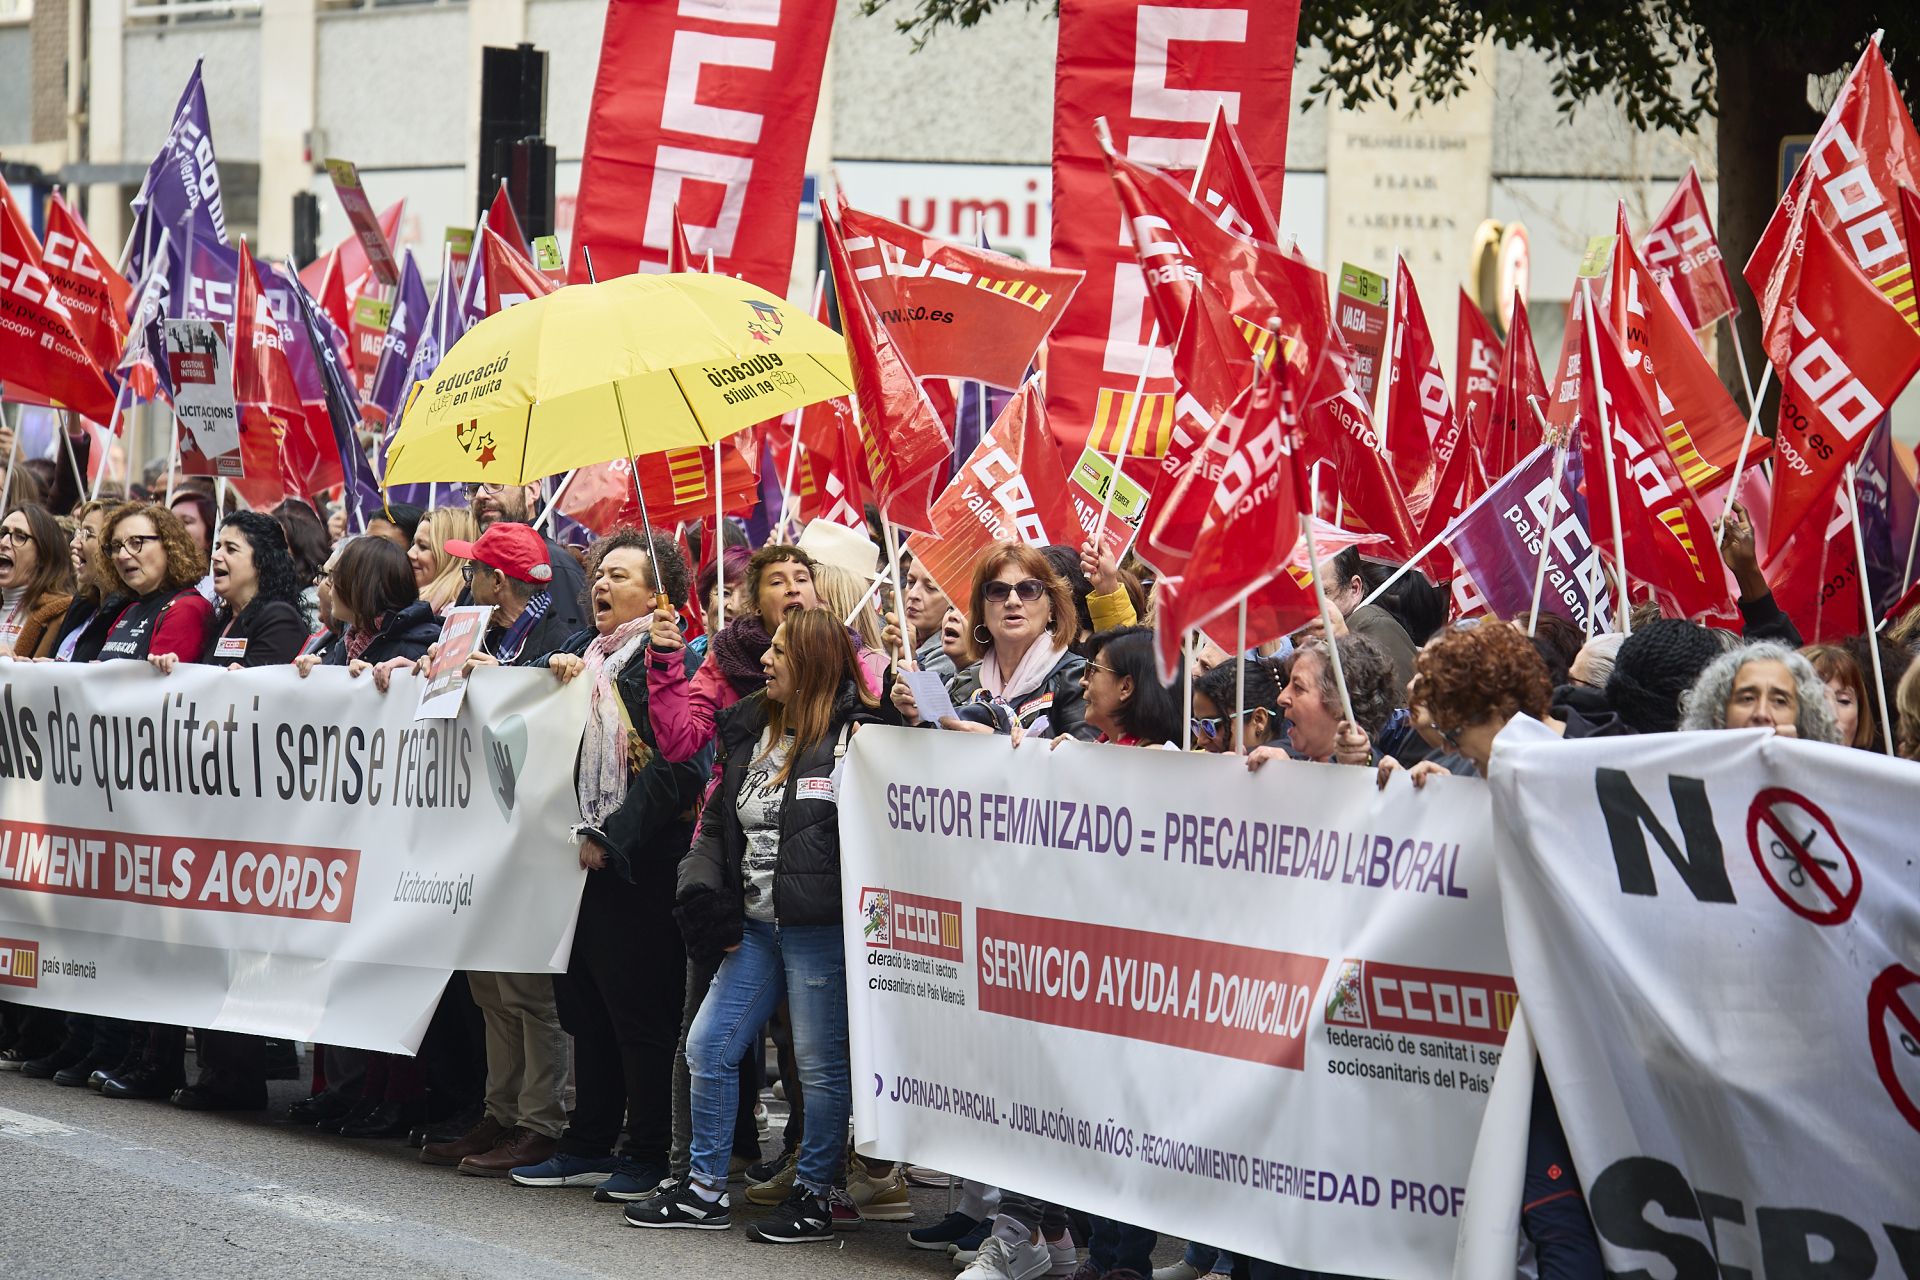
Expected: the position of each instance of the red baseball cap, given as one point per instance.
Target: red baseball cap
(513, 549)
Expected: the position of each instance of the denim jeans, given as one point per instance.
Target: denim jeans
(805, 965)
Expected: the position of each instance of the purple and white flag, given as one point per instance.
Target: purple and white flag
(1889, 506)
(1498, 539)
(182, 183)
(343, 411)
(409, 321)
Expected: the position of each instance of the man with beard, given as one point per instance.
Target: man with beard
(493, 504)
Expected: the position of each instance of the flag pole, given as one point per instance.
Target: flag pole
(1240, 680)
(1866, 601)
(13, 460)
(1553, 515)
(892, 536)
(1320, 596)
(1186, 686)
(173, 458)
(1606, 448)
(1906, 578)
(553, 504)
(113, 431)
(1746, 441)
(1405, 568)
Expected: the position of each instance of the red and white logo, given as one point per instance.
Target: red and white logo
(909, 922)
(1423, 1002)
(19, 963)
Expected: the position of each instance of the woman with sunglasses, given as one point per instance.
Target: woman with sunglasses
(149, 574)
(35, 572)
(1021, 623)
(1122, 694)
(1214, 725)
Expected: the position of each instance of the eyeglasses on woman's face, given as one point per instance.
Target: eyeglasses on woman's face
(15, 537)
(1028, 589)
(133, 544)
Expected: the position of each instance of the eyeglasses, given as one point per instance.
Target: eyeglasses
(84, 534)
(1214, 726)
(1028, 589)
(466, 572)
(321, 577)
(133, 544)
(491, 490)
(1098, 666)
(18, 537)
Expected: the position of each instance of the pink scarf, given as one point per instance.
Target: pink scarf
(603, 751)
(1039, 659)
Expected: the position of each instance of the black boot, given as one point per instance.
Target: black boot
(147, 1081)
(388, 1120)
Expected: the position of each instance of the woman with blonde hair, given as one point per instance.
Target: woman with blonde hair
(851, 599)
(437, 574)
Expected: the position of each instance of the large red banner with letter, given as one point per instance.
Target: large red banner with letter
(707, 104)
(1156, 73)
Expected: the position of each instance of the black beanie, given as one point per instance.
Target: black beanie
(1655, 665)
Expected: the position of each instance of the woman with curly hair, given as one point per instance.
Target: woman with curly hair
(437, 573)
(149, 571)
(257, 622)
(1316, 729)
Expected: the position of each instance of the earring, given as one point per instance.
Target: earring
(982, 641)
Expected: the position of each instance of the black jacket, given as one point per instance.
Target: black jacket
(806, 880)
(544, 638)
(1057, 697)
(647, 836)
(1586, 713)
(406, 634)
(87, 617)
(1764, 619)
(267, 633)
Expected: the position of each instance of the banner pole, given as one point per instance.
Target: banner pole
(719, 542)
(1866, 601)
(1240, 681)
(1326, 623)
(1405, 568)
(1546, 538)
(1740, 462)
(173, 458)
(892, 536)
(553, 503)
(1606, 447)
(1186, 687)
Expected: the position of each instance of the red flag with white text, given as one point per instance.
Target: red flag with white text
(1156, 74)
(708, 107)
(1850, 355)
(96, 295)
(39, 350)
(1476, 371)
(1680, 249)
(1513, 430)
(511, 277)
(1418, 410)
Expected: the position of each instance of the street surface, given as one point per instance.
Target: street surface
(98, 1187)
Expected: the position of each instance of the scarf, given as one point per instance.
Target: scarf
(1039, 659)
(360, 638)
(603, 749)
(737, 648)
(515, 636)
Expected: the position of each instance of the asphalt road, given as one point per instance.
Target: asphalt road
(97, 1187)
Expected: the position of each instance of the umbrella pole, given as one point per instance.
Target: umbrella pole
(719, 543)
(646, 521)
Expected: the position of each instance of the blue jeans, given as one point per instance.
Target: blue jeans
(805, 965)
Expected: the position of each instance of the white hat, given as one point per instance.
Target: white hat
(835, 544)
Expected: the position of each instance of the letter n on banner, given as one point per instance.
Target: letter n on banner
(1156, 73)
(707, 104)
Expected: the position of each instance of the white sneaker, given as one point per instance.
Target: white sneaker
(1063, 1257)
(1181, 1270)
(1001, 1259)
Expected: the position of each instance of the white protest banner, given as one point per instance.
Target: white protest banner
(1717, 940)
(203, 400)
(251, 851)
(1260, 1010)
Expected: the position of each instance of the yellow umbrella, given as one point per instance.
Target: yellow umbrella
(595, 372)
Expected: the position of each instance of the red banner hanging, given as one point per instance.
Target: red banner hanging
(708, 106)
(1156, 73)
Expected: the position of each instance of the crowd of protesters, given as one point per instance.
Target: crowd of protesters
(710, 922)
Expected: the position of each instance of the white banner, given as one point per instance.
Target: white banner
(251, 851)
(1260, 1010)
(1717, 940)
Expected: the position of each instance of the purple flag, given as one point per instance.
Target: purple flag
(182, 183)
(203, 274)
(1889, 507)
(1497, 541)
(443, 327)
(409, 321)
(146, 340)
(343, 411)
(473, 290)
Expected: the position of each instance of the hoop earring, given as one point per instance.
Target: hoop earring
(982, 641)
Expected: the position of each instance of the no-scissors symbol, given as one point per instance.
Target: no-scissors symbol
(1801, 857)
(1893, 1033)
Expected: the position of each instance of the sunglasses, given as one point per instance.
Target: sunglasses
(1028, 589)
(1214, 726)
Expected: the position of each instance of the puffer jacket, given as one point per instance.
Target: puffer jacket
(1056, 697)
(406, 633)
(806, 882)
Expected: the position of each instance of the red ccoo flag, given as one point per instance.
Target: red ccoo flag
(1420, 423)
(510, 277)
(956, 311)
(1512, 431)
(1865, 150)
(1681, 251)
(1476, 371)
(39, 350)
(96, 296)
(1670, 544)
(905, 443)
(1850, 355)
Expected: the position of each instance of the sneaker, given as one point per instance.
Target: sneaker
(1064, 1257)
(777, 1188)
(1002, 1259)
(942, 1233)
(969, 1243)
(633, 1180)
(1181, 1270)
(882, 1199)
(804, 1218)
(682, 1208)
(761, 1120)
(846, 1215)
(562, 1170)
(767, 1168)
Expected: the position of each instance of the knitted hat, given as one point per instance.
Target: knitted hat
(1655, 665)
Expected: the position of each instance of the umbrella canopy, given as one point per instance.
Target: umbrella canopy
(595, 372)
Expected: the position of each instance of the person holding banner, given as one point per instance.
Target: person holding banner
(1846, 695)
(89, 519)
(622, 995)
(1311, 704)
(257, 621)
(1022, 625)
(1762, 685)
(1215, 727)
(376, 601)
(507, 570)
(761, 887)
(150, 575)
(1121, 690)
(36, 572)
(926, 609)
